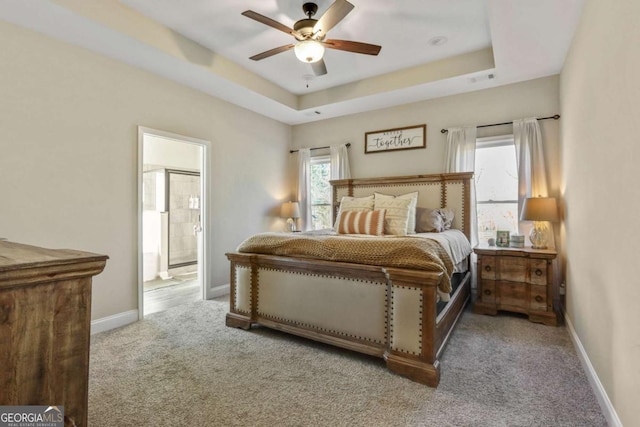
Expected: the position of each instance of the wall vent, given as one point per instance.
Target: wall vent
(482, 78)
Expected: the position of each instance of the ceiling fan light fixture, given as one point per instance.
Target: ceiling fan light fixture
(309, 51)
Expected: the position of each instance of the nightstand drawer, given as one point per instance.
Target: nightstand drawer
(488, 268)
(513, 269)
(512, 294)
(538, 271)
(538, 298)
(488, 293)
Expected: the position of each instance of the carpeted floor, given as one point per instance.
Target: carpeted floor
(183, 367)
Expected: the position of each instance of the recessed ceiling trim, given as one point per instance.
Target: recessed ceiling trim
(472, 62)
(117, 17)
(110, 28)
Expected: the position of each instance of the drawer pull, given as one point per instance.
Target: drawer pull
(538, 272)
(538, 298)
(487, 268)
(487, 292)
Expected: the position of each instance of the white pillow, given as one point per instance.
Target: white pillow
(349, 203)
(397, 215)
(411, 226)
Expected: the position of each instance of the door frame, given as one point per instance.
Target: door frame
(205, 240)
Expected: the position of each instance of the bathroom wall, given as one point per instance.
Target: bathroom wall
(169, 239)
(184, 215)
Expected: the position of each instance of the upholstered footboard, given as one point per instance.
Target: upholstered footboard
(385, 312)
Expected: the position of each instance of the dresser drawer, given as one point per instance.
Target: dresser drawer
(513, 269)
(538, 298)
(538, 271)
(488, 291)
(512, 295)
(488, 267)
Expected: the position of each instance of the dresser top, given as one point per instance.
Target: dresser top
(18, 256)
(528, 251)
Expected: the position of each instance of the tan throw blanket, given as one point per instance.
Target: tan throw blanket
(403, 252)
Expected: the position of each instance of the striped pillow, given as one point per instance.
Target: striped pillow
(362, 222)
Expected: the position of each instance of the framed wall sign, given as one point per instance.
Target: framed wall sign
(395, 139)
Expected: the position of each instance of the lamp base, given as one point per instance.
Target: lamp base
(291, 224)
(538, 235)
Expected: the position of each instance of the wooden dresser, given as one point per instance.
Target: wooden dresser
(518, 280)
(45, 321)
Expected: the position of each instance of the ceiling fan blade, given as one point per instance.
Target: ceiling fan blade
(336, 13)
(272, 52)
(356, 47)
(319, 68)
(273, 24)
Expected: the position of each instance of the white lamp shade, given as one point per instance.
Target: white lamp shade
(540, 209)
(309, 51)
(290, 210)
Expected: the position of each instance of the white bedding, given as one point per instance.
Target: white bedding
(455, 243)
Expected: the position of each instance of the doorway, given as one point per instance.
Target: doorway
(173, 204)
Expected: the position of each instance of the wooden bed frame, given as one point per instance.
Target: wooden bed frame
(386, 312)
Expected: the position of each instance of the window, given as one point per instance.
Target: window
(496, 178)
(320, 189)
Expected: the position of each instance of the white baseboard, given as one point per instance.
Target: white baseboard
(122, 319)
(218, 291)
(114, 321)
(608, 410)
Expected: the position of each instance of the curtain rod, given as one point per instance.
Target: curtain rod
(556, 117)
(348, 144)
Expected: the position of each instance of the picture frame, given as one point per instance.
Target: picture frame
(405, 138)
(502, 238)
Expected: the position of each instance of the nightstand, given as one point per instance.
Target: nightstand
(518, 280)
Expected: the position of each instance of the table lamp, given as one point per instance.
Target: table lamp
(540, 210)
(291, 211)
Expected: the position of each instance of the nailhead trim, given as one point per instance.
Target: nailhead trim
(320, 275)
(394, 348)
(409, 185)
(315, 328)
(235, 289)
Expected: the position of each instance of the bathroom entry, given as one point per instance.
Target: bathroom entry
(172, 218)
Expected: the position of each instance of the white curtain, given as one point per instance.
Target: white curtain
(303, 191)
(460, 153)
(532, 179)
(460, 156)
(339, 162)
(530, 156)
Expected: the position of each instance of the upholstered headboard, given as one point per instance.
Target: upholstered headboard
(447, 190)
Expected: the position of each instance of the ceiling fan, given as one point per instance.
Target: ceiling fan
(310, 35)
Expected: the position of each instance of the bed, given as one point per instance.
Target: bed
(403, 313)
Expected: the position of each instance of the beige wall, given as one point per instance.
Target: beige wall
(68, 157)
(535, 98)
(600, 97)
